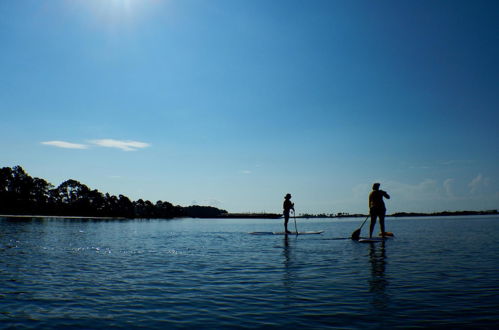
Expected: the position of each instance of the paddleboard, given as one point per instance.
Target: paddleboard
(370, 240)
(387, 234)
(283, 233)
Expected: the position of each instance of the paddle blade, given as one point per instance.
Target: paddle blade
(356, 235)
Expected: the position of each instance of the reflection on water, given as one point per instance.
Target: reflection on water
(286, 252)
(190, 273)
(288, 276)
(378, 281)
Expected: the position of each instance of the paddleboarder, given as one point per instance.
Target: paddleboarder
(377, 208)
(287, 207)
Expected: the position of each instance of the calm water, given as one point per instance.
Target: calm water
(192, 273)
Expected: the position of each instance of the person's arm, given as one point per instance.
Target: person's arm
(385, 194)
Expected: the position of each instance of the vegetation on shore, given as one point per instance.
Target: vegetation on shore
(262, 215)
(21, 194)
(402, 214)
(443, 214)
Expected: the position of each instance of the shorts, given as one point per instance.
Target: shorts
(377, 211)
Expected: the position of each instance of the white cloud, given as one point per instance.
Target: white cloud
(453, 162)
(431, 195)
(478, 183)
(66, 145)
(426, 189)
(123, 145)
(213, 202)
(246, 172)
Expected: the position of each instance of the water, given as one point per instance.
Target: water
(193, 273)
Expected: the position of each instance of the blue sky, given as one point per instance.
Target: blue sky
(235, 103)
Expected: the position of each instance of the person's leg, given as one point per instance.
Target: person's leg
(373, 223)
(382, 223)
(286, 219)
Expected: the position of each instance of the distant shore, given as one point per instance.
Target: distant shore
(223, 216)
(58, 216)
(250, 216)
(270, 215)
(444, 213)
(404, 214)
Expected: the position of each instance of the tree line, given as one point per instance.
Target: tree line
(21, 194)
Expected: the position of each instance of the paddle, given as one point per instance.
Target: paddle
(356, 234)
(294, 217)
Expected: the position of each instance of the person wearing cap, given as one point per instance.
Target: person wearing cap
(287, 206)
(377, 208)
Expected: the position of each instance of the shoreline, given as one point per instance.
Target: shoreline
(59, 216)
(263, 216)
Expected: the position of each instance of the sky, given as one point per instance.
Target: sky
(234, 103)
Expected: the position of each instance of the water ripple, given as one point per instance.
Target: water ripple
(191, 273)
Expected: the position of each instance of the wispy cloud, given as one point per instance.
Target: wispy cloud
(457, 162)
(118, 144)
(125, 145)
(430, 195)
(65, 145)
(478, 183)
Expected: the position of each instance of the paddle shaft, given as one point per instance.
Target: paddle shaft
(294, 217)
(364, 222)
(356, 233)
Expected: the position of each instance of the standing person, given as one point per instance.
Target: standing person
(287, 206)
(377, 208)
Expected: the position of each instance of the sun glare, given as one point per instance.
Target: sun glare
(125, 5)
(118, 8)
(116, 12)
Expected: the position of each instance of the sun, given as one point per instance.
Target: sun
(118, 7)
(117, 12)
(125, 5)
(115, 15)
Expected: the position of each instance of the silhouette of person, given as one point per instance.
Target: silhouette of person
(377, 208)
(287, 206)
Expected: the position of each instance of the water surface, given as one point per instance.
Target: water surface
(209, 273)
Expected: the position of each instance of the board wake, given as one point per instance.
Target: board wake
(283, 233)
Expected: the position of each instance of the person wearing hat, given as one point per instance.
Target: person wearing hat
(287, 206)
(377, 208)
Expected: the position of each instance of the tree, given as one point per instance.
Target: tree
(125, 206)
(22, 194)
(73, 198)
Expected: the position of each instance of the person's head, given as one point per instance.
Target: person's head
(376, 186)
(288, 196)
